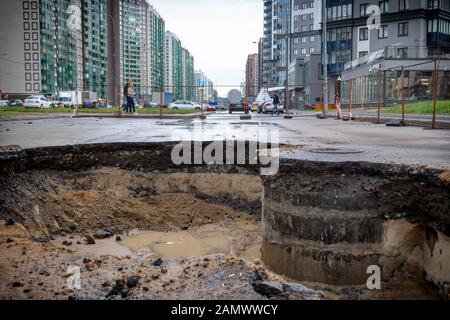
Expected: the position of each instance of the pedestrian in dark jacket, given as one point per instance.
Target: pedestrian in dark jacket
(276, 103)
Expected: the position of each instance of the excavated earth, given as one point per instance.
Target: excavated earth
(118, 211)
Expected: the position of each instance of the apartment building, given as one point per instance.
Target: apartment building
(251, 77)
(188, 76)
(174, 66)
(48, 48)
(409, 32)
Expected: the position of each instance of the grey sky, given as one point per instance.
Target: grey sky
(219, 33)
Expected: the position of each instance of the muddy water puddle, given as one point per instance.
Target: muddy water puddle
(179, 245)
(239, 237)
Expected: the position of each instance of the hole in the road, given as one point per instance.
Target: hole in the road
(172, 216)
(322, 222)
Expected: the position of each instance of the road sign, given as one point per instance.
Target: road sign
(201, 84)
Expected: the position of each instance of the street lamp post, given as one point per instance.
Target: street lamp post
(1, 93)
(288, 51)
(325, 58)
(116, 86)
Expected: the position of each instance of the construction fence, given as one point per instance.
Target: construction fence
(420, 89)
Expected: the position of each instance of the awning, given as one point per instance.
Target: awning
(276, 89)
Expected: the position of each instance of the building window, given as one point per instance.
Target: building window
(402, 53)
(363, 9)
(403, 5)
(311, 39)
(303, 50)
(383, 32)
(304, 39)
(362, 54)
(311, 50)
(403, 29)
(364, 34)
(384, 6)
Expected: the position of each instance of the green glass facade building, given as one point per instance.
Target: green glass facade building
(188, 76)
(157, 46)
(95, 47)
(130, 43)
(73, 46)
(58, 48)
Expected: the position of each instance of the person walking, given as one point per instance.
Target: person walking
(131, 107)
(276, 103)
(338, 108)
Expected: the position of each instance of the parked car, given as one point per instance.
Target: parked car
(4, 103)
(267, 107)
(149, 104)
(182, 104)
(90, 104)
(37, 102)
(15, 103)
(210, 108)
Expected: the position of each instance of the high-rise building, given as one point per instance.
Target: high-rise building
(94, 49)
(269, 47)
(157, 49)
(188, 76)
(133, 49)
(50, 46)
(251, 76)
(137, 49)
(260, 63)
(174, 66)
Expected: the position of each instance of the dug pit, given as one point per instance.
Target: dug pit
(123, 213)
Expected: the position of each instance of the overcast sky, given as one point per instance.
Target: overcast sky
(219, 34)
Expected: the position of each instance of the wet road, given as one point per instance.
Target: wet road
(336, 140)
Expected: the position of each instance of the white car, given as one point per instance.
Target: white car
(182, 104)
(4, 103)
(267, 107)
(37, 102)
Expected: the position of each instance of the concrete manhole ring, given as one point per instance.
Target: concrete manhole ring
(336, 151)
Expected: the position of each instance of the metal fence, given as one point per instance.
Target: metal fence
(420, 88)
